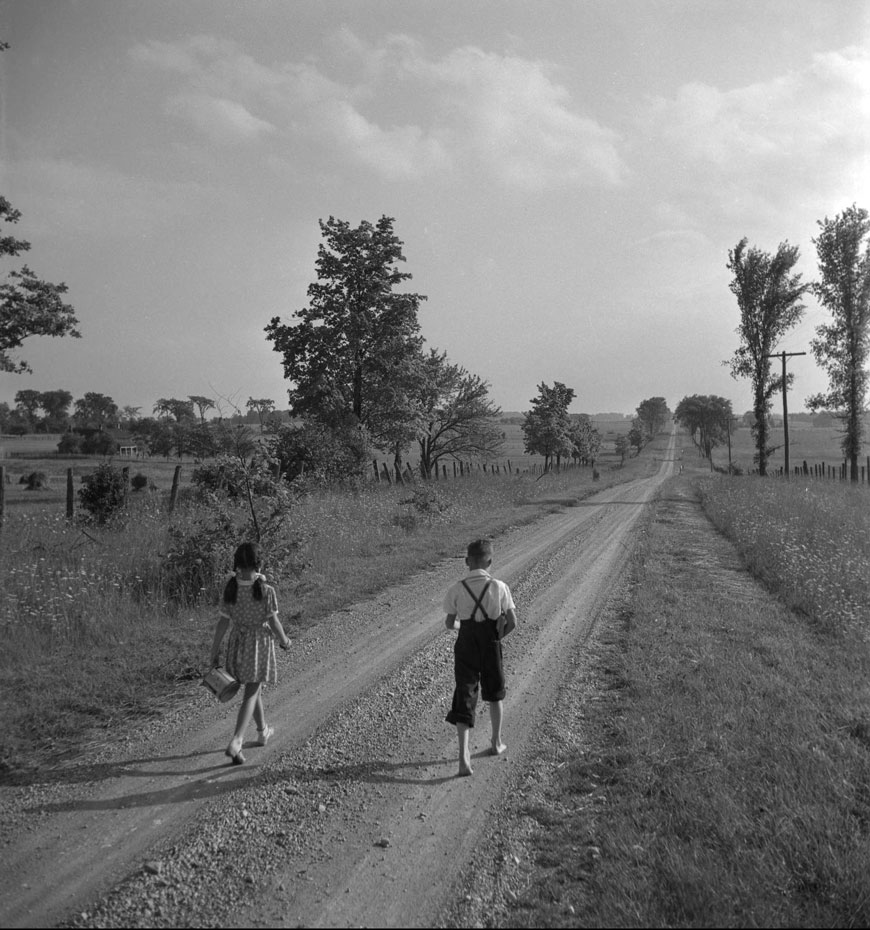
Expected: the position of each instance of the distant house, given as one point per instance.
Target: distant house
(128, 447)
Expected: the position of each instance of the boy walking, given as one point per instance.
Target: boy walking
(482, 609)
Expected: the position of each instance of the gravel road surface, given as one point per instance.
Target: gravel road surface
(353, 814)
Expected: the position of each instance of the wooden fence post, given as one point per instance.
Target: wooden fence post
(173, 494)
(375, 467)
(386, 472)
(70, 496)
(2, 493)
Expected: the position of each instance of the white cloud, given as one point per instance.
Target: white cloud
(509, 114)
(224, 120)
(502, 115)
(802, 136)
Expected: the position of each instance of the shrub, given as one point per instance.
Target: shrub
(99, 443)
(139, 482)
(317, 451)
(103, 494)
(70, 444)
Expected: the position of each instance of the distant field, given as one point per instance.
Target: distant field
(514, 450)
(815, 445)
(39, 450)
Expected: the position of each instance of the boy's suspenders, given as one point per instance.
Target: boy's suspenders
(477, 600)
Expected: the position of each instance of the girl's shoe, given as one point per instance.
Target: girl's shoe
(264, 734)
(234, 751)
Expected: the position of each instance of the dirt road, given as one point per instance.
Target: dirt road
(353, 814)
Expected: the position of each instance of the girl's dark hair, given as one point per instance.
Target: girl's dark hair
(247, 557)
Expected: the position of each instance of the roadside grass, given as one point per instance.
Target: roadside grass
(90, 636)
(725, 779)
(809, 541)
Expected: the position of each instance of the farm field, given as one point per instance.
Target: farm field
(160, 471)
(813, 445)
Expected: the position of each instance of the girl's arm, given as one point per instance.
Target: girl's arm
(219, 633)
(278, 630)
(450, 622)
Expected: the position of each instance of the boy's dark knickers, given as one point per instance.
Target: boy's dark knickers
(477, 662)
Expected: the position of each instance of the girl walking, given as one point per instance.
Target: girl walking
(250, 610)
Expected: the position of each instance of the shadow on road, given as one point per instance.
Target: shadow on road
(377, 772)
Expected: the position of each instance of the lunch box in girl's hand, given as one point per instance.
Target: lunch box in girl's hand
(221, 684)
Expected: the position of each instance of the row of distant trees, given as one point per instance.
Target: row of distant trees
(769, 296)
(54, 412)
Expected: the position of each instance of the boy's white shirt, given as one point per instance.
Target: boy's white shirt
(496, 601)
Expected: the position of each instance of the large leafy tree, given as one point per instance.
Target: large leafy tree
(768, 294)
(173, 408)
(29, 306)
(55, 405)
(707, 416)
(547, 426)
(359, 335)
(841, 347)
(28, 404)
(652, 415)
(457, 418)
(96, 411)
(585, 439)
(202, 404)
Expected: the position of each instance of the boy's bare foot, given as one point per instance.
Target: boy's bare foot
(498, 748)
(464, 769)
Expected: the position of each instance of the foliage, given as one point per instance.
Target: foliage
(547, 427)
(768, 297)
(318, 452)
(200, 552)
(96, 411)
(96, 442)
(70, 444)
(29, 306)
(652, 416)
(709, 416)
(104, 493)
(356, 336)
(842, 347)
(262, 406)
(621, 445)
(202, 404)
(139, 482)
(636, 436)
(173, 408)
(458, 420)
(585, 439)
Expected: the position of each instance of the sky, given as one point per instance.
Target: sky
(567, 177)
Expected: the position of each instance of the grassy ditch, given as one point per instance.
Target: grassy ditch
(93, 631)
(723, 774)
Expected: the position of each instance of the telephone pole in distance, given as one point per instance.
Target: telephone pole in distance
(784, 356)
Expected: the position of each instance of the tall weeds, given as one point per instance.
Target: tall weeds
(809, 542)
(94, 619)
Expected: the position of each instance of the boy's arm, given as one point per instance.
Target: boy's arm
(507, 623)
(450, 621)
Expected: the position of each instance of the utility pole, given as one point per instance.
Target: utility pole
(784, 356)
